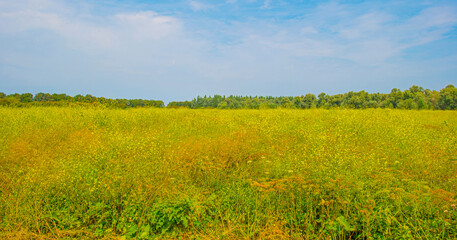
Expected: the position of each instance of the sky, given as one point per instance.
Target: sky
(177, 50)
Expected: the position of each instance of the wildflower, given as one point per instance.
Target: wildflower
(446, 211)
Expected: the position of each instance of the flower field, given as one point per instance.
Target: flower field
(95, 173)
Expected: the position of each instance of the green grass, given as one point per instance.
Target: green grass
(227, 174)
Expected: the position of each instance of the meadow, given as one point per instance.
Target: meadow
(96, 173)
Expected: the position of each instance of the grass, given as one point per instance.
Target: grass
(227, 174)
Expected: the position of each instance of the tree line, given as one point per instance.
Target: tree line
(413, 98)
(46, 99)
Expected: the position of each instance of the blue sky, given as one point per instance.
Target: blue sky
(180, 49)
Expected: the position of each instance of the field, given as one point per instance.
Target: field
(90, 173)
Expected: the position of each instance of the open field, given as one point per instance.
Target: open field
(227, 174)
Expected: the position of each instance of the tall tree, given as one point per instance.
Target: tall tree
(26, 97)
(448, 98)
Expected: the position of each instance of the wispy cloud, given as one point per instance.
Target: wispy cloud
(144, 26)
(266, 4)
(199, 6)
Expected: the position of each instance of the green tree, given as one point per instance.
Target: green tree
(26, 97)
(11, 100)
(297, 102)
(79, 98)
(322, 100)
(223, 105)
(309, 101)
(286, 103)
(42, 97)
(419, 98)
(415, 89)
(448, 98)
(216, 100)
(90, 99)
(395, 97)
(59, 97)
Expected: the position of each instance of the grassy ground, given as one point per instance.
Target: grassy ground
(234, 174)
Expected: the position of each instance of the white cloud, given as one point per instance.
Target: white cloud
(308, 30)
(147, 25)
(435, 17)
(76, 32)
(88, 34)
(365, 26)
(199, 6)
(370, 38)
(266, 4)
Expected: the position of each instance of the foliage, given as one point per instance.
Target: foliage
(448, 98)
(412, 98)
(46, 99)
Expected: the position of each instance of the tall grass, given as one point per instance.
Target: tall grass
(235, 174)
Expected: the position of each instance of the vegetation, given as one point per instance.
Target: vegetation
(46, 99)
(413, 98)
(90, 173)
